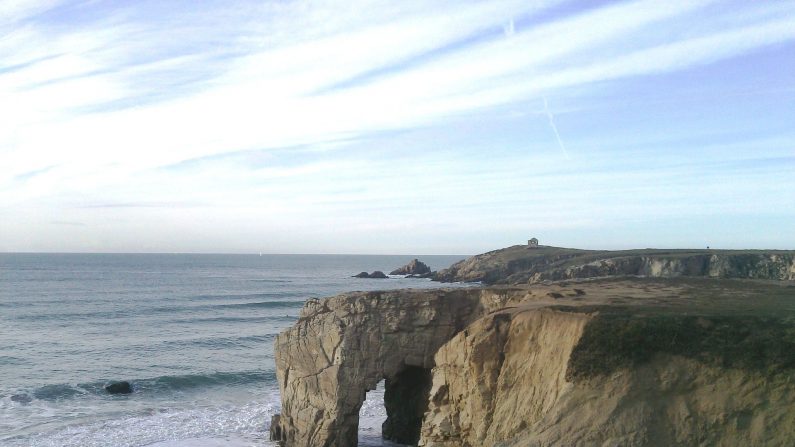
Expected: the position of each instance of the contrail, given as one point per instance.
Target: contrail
(555, 128)
(509, 29)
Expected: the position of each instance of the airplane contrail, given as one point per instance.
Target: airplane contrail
(555, 129)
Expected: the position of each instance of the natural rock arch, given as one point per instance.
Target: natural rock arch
(343, 346)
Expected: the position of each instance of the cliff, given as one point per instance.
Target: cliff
(679, 361)
(522, 265)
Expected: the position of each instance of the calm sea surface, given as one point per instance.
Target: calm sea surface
(193, 333)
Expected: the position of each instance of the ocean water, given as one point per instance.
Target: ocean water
(192, 333)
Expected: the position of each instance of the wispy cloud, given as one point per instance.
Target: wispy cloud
(277, 106)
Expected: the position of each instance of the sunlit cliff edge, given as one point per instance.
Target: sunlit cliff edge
(663, 348)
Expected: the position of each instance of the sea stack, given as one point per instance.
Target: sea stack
(415, 267)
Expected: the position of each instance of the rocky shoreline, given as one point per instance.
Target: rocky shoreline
(657, 360)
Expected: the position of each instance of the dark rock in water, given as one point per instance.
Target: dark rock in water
(375, 275)
(424, 275)
(21, 398)
(415, 267)
(119, 388)
(276, 428)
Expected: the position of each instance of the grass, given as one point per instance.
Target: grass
(623, 337)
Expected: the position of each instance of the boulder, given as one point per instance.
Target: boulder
(123, 387)
(415, 267)
(362, 275)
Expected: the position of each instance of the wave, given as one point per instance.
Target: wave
(191, 381)
(235, 319)
(271, 281)
(169, 309)
(154, 385)
(242, 296)
(220, 342)
(261, 304)
(9, 360)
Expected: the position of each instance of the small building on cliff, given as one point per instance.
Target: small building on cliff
(532, 243)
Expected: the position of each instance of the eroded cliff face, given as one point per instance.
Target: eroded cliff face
(522, 265)
(500, 377)
(513, 379)
(745, 266)
(635, 362)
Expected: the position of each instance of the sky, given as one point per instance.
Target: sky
(410, 127)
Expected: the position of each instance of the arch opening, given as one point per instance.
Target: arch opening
(372, 415)
(406, 401)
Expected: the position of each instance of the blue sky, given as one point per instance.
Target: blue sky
(395, 127)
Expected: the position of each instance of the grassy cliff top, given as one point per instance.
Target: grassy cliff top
(521, 264)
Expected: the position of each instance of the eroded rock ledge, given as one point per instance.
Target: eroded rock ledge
(611, 362)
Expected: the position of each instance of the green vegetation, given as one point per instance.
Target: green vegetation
(623, 338)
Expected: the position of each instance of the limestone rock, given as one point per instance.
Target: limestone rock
(415, 267)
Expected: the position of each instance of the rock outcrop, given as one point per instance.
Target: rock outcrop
(518, 265)
(375, 275)
(341, 347)
(123, 387)
(636, 362)
(415, 267)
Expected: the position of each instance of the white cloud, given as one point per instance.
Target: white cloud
(101, 105)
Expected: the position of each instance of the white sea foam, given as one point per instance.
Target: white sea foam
(245, 424)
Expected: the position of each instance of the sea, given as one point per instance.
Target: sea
(193, 333)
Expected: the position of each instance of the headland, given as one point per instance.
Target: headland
(561, 347)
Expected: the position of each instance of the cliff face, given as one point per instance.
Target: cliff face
(500, 377)
(522, 265)
(518, 379)
(613, 362)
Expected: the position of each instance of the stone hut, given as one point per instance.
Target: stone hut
(532, 243)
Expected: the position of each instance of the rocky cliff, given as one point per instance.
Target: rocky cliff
(598, 376)
(341, 347)
(682, 361)
(521, 264)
